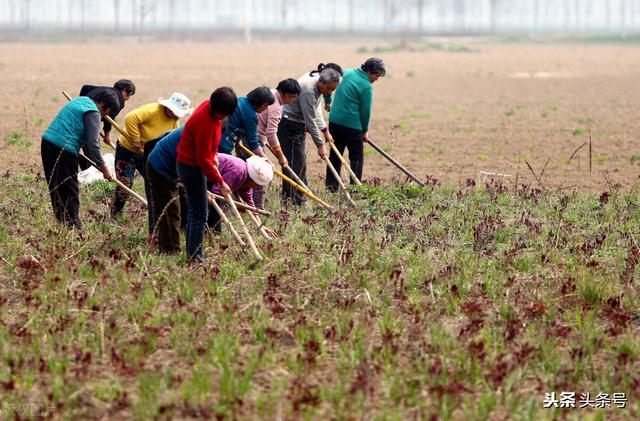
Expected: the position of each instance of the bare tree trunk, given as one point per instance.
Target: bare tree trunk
(623, 17)
(334, 7)
(172, 13)
(69, 13)
(442, 8)
(351, 8)
(246, 20)
(459, 7)
(284, 4)
(116, 13)
(142, 14)
(390, 10)
(567, 13)
(632, 16)
(608, 13)
(147, 8)
(27, 13)
(588, 14)
(154, 16)
(493, 15)
(12, 12)
(134, 14)
(83, 15)
(59, 11)
(420, 10)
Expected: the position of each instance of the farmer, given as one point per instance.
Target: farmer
(124, 89)
(196, 152)
(168, 205)
(314, 74)
(242, 177)
(349, 118)
(143, 125)
(286, 91)
(304, 113)
(243, 123)
(77, 126)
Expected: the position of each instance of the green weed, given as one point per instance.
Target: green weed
(423, 301)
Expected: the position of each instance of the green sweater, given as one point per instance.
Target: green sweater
(352, 101)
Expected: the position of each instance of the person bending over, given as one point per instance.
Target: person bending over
(196, 153)
(143, 125)
(350, 115)
(75, 128)
(124, 90)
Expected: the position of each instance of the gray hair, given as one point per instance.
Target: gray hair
(374, 66)
(329, 75)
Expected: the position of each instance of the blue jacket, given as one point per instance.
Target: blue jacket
(66, 131)
(242, 125)
(164, 155)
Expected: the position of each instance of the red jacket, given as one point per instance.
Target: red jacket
(199, 142)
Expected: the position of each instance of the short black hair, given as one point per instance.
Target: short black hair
(261, 95)
(125, 85)
(374, 66)
(108, 99)
(223, 100)
(323, 66)
(289, 86)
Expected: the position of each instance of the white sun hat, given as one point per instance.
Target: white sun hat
(179, 104)
(260, 170)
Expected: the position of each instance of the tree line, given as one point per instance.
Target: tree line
(408, 16)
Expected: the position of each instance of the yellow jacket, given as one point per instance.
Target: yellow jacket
(146, 123)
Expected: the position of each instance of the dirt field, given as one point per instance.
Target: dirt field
(450, 114)
(417, 303)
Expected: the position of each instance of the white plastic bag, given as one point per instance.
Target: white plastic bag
(92, 174)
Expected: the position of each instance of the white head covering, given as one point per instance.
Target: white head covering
(179, 104)
(260, 170)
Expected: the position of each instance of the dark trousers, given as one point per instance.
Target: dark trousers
(351, 139)
(148, 148)
(294, 147)
(126, 164)
(61, 172)
(195, 184)
(166, 209)
(214, 222)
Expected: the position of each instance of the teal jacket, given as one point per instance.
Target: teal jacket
(241, 125)
(67, 130)
(352, 101)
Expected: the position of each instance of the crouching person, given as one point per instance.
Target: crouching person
(241, 177)
(285, 93)
(76, 127)
(143, 125)
(196, 153)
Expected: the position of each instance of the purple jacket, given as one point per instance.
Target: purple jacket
(234, 172)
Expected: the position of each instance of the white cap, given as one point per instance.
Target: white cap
(179, 104)
(260, 170)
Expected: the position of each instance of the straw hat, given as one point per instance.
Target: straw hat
(260, 170)
(179, 104)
